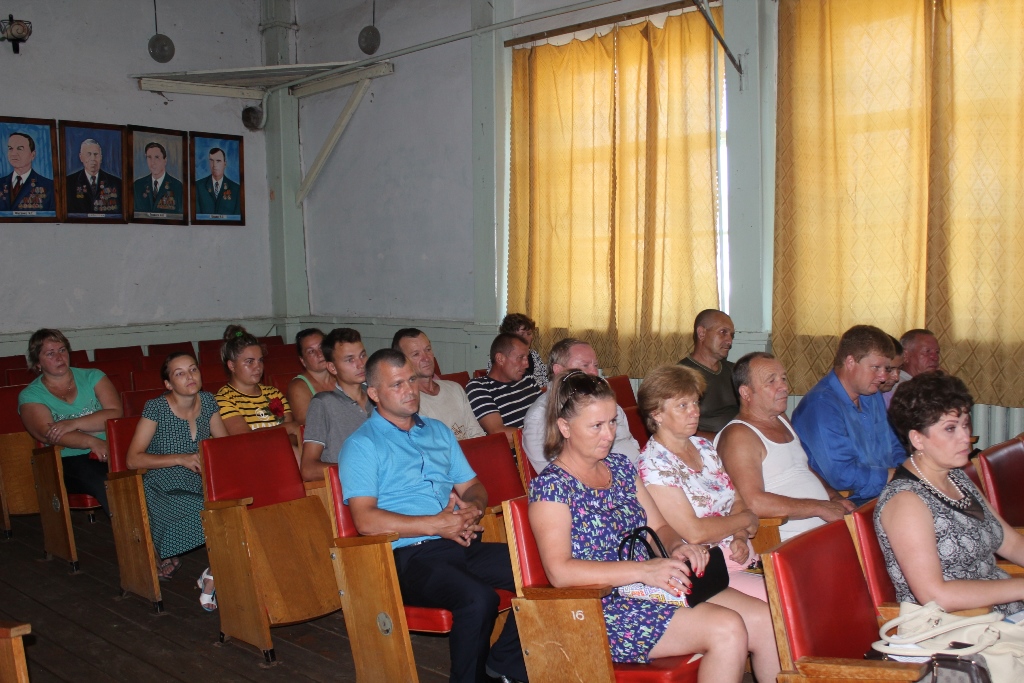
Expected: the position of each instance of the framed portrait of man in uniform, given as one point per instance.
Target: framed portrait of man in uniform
(29, 179)
(93, 163)
(157, 166)
(216, 179)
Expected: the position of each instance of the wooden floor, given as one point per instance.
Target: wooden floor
(82, 630)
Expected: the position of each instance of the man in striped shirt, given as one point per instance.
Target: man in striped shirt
(501, 398)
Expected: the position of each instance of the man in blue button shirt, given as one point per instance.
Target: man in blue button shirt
(842, 421)
(406, 474)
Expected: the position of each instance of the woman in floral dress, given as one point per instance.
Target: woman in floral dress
(582, 507)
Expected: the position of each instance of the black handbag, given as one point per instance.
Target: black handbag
(714, 581)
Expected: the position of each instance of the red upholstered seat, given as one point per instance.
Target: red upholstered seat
(147, 379)
(120, 366)
(119, 437)
(636, 425)
(879, 584)
(279, 351)
(972, 473)
(424, 619)
(623, 389)
(119, 352)
(20, 376)
(10, 419)
(280, 364)
(495, 466)
(159, 352)
(82, 501)
(79, 359)
(259, 464)
(824, 600)
(272, 340)
(214, 376)
(480, 373)
(1002, 470)
(209, 351)
(122, 383)
(281, 380)
(460, 378)
(8, 362)
(665, 670)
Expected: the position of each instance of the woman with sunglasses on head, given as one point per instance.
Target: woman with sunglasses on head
(69, 407)
(314, 377)
(245, 404)
(166, 443)
(580, 509)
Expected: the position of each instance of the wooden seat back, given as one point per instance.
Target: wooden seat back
(1002, 471)
(13, 668)
(54, 506)
(623, 389)
(17, 484)
(259, 465)
(117, 353)
(461, 378)
(526, 471)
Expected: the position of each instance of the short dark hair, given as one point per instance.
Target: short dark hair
(302, 334)
(562, 349)
(35, 343)
(404, 333)
(897, 347)
(503, 344)
(910, 337)
(513, 322)
(165, 374)
(741, 371)
(861, 340)
(158, 146)
(920, 402)
(339, 335)
(703, 319)
(570, 392)
(236, 340)
(389, 357)
(31, 142)
(214, 150)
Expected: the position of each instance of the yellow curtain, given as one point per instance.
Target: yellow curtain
(900, 169)
(613, 206)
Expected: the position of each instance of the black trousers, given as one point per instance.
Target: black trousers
(442, 573)
(82, 475)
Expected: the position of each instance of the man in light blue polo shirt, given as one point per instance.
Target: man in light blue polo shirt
(406, 474)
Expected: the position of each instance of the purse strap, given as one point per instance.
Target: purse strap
(927, 610)
(639, 535)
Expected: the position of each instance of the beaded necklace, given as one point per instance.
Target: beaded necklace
(961, 504)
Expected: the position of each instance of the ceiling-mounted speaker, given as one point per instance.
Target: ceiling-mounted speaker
(161, 48)
(252, 117)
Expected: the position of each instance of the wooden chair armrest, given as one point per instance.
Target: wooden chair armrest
(223, 504)
(314, 485)
(888, 611)
(772, 521)
(568, 593)
(373, 539)
(493, 510)
(830, 668)
(14, 629)
(125, 474)
(1010, 568)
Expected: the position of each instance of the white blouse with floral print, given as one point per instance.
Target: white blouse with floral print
(710, 491)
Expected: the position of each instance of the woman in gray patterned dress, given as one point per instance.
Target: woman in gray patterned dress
(938, 533)
(166, 443)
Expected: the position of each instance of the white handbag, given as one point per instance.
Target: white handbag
(925, 631)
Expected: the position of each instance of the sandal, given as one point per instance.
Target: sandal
(208, 601)
(167, 568)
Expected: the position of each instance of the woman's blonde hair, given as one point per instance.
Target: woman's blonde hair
(665, 382)
(569, 394)
(38, 338)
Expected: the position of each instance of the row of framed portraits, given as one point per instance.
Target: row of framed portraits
(100, 173)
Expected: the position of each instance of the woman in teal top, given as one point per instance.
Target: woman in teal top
(69, 407)
(315, 377)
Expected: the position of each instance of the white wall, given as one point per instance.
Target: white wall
(75, 67)
(389, 223)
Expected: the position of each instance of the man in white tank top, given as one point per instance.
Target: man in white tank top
(763, 455)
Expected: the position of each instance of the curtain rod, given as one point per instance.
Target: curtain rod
(595, 23)
(628, 16)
